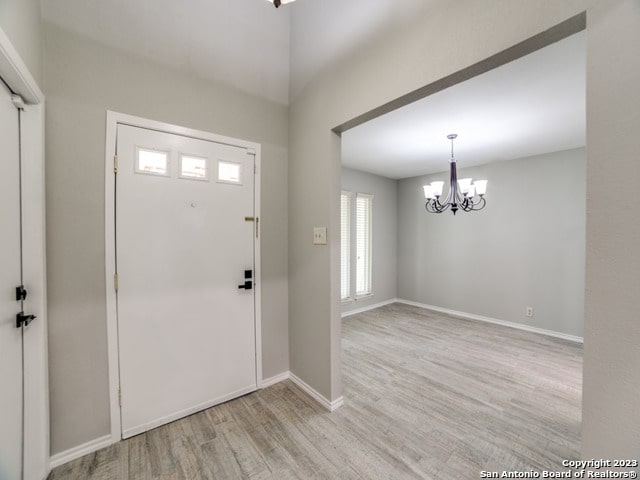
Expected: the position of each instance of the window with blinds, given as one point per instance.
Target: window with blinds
(364, 205)
(345, 245)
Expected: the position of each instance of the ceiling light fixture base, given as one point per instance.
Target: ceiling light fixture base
(277, 3)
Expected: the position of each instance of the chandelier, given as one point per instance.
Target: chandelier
(277, 3)
(461, 193)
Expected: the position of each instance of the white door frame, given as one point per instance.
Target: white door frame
(36, 430)
(113, 119)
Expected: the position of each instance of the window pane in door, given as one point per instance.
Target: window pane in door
(152, 161)
(229, 172)
(193, 167)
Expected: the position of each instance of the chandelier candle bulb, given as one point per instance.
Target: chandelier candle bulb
(428, 192)
(437, 188)
(481, 186)
(472, 191)
(465, 184)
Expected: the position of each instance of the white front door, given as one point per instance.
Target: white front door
(11, 347)
(184, 245)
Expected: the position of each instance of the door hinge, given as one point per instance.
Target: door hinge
(21, 293)
(115, 282)
(17, 101)
(119, 396)
(257, 222)
(115, 164)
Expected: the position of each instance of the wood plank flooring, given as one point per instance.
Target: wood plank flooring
(426, 396)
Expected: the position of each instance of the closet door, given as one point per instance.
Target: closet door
(11, 345)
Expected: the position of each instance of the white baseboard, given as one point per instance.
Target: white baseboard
(369, 307)
(504, 323)
(321, 399)
(95, 445)
(281, 377)
(79, 451)
(312, 392)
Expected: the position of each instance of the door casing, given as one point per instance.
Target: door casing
(113, 120)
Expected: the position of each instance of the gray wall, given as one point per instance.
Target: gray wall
(526, 248)
(20, 21)
(82, 81)
(384, 238)
(610, 419)
(418, 53)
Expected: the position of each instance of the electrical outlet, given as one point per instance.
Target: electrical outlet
(529, 312)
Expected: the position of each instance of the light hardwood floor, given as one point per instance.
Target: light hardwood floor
(426, 396)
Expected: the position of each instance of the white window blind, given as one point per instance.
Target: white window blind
(363, 243)
(345, 245)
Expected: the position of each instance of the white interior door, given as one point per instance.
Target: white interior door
(186, 331)
(11, 348)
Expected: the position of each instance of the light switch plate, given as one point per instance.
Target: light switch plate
(319, 235)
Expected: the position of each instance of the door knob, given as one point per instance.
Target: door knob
(248, 285)
(22, 319)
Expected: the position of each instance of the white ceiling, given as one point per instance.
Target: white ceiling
(528, 107)
(531, 106)
(244, 43)
(327, 32)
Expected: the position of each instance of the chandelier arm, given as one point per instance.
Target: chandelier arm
(480, 204)
(443, 207)
(433, 206)
(447, 199)
(469, 205)
(440, 207)
(466, 205)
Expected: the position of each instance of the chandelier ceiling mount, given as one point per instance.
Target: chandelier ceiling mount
(277, 3)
